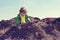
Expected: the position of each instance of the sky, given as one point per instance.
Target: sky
(35, 8)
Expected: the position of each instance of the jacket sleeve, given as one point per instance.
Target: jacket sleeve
(17, 20)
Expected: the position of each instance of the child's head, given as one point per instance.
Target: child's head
(23, 11)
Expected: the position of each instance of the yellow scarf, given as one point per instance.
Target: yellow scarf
(22, 19)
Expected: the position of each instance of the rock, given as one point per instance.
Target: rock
(36, 29)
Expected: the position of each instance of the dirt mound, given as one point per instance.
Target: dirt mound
(35, 30)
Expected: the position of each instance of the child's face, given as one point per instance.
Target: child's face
(23, 13)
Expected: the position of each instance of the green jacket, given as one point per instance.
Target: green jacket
(18, 19)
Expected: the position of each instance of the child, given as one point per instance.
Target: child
(22, 17)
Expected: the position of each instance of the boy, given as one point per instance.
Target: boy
(22, 17)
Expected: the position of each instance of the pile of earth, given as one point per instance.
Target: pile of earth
(36, 29)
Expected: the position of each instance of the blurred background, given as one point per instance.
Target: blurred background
(36, 8)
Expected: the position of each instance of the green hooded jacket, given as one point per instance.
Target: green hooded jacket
(18, 19)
